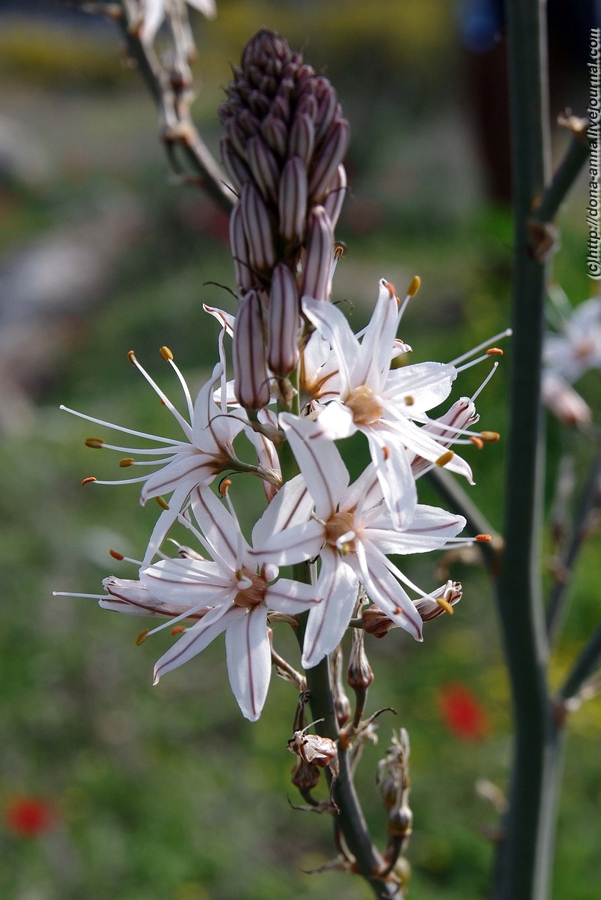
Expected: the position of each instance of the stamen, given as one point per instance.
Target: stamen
(125, 463)
(84, 596)
(485, 382)
(483, 538)
(116, 555)
(386, 452)
(445, 458)
(414, 286)
(141, 434)
(492, 351)
(94, 443)
(184, 385)
(503, 334)
(489, 437)
(224, 484)
(166, 353)
(477, 441)
(444, 604)
(88, 480)
(186, 428)
(162, 503)
(177, 630)
(391, 288)
(142, 636)
(409, 401)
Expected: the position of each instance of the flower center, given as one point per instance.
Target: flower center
(584, 348)
(337, 526)
(364, 405)
(252, 595)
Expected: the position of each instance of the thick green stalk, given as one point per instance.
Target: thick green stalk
(522, 872)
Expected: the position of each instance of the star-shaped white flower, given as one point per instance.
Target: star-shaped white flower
(351, 531)
(232, 592)
(384, 404)
(154, 11)
(578, 348)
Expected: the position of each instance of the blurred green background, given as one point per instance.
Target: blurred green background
(167, 793)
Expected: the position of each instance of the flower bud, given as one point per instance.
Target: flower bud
(336, 195)
(326, 108)
(360, 674)
(237, 170)
(328, 159)
(242, 268)
(251, 381)
(257, 228)
(439, 601)
(264, 167)
(293, 199)
(302, 138)
(317, 268)
(275, 134)
(400, 821)
(283, 322)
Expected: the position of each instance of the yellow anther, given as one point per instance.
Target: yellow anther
(483, 538)
(445, 458)
(495, 351)
(409, 401)
(125, 463)
(166, 353)
(477, 441)
(88, 480)
(116, 555)
(94, 443)
(131, 357)
(444, 604)
(223, 487)
(142, 637)
(414, 286)
(177, 629)
(489, 437)
(162, 502)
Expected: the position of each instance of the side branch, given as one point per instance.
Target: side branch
(586, 664)
(568, 171)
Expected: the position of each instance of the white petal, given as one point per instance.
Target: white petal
(291, 597)
(225, 319)
(333, 326)
(185, 470)
(428, 384)
(366, 489)
(216, 524)
(196, 638)
(394, 474)
(291, 506)
(337, 586)
(377, 344)
(320, 462)
(429, 529)
(207, 7)
(391, 597)
(292, 545)
(153, 15)
(165, 522)
(249, 661)
(419, 441)
(187, 582)
(336, 422)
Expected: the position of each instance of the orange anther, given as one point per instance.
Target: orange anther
(94, 443)
(116, 555)
(223, 487)
(88, 480)
(177, 629)
(489, 437)
(494, 351)
(386, 452)
(477, 441)
(483, 538)
(131, 357)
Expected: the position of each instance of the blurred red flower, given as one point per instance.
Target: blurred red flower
(28, 817)
(462, 712)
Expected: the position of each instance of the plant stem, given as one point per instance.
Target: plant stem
(586, 663)
(559, 592)
(564, 177)
(522, 873)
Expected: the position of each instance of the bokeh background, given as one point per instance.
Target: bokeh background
(110, 788)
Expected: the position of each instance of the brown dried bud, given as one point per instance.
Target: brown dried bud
(313, 748)
(400, 821)
(317, 270)
(376, 622)
(283, 322)
(304, 775)
(251, 381)
(360, 674)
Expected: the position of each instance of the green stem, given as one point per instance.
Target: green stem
(587, 662)
(564, 178)
(525, 856)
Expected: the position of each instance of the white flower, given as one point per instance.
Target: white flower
(206, 451)
(352, 531)
(232, 592)
(578, 348)
(154, 11)
(384, 404)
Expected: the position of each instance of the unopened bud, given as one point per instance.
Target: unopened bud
(236, 169)
(327, 105)
(251, 384)
(302, 137)
(283, 322)
(292, 203)
(359, 675)
(264, 167)
(275, 134)
(400, 822)
(336, 195)
(376, 622)
(317, 268)
(242, 267)
(431, 607)
(328, 159)
(257, 228)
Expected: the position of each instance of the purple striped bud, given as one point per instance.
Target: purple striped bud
(280, 108)
(248, 122)
(308, 106)
(264, 167)
(335, 195)
(329, 158)
(283, 322)
(258, 103)
(293, 200)
(242, 268)
(237, 170)
(257, 228)
(327, 106)
(251, 381)
(302, 138)
(317, 269)
(275, 133)
(236, 136)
